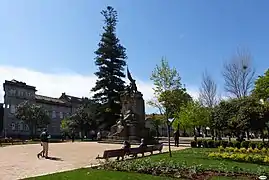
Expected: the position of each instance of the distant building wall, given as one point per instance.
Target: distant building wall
(17, 92)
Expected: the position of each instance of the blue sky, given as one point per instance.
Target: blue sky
(61, 36)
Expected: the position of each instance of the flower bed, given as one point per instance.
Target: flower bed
(242, 157)
(244, 150)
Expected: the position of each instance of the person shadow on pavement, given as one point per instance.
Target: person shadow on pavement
(54, 158)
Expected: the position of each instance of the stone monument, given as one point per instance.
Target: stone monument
(131, 125)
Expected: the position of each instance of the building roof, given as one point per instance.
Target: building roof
(50, 100)
(19, 84)
(71, 99)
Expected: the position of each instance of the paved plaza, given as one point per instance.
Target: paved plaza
(20, 161)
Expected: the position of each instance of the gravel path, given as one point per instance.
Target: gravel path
(20, 161)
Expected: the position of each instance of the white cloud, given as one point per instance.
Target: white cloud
(54, 84)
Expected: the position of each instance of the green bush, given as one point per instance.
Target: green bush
(237, 144)
(245, 144)
(211, 143)
(261, 145)
(224, 144)
(252, 145)
(230, 144)
(205, 143)
(199, 143)
(253, 158)
(217, 143)
(193, 144)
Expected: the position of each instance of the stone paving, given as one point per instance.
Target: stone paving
(20, 161)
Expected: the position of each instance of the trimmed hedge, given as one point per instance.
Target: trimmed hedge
(236, 144)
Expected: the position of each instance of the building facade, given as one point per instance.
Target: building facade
(57, 108)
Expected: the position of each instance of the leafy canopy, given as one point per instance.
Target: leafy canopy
(261, 89)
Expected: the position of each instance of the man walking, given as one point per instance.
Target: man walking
(44, 137)
(176, 136)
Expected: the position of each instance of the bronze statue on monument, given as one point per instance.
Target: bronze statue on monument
(131, 125)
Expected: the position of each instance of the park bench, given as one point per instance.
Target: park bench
(132, 151)
(112, 153)
(11, 141)
(150, 148)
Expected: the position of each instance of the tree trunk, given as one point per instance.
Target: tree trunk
(169, 144)
(184, 132)
(248, 137)
(194, 134)
(157, 133)
(213, 134)
(31, 131)
(262, 136)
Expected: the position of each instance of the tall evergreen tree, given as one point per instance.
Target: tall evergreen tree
(110, 60)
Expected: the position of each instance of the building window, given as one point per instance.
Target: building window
(21, 126)
(13, 126)
(53, 114)
(12, 109)
(26, 127)
(61, 115)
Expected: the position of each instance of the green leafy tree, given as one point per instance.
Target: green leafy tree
(193, 116)
(240, 115)
(251, 112)
(261, 89)
(221, 115)
(64, 125)
(168, 91)
(157, 120)
(84, 119)
(110, 60)
(33, 115)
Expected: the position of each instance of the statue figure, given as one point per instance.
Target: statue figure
(133, 87)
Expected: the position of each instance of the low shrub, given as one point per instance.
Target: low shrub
(205, 144)
(245, 144)
(224, 144)
(253, 158)
(237, 144)
(252, 145)
(244, 150)
(199, 143)
(211, 143)
(193, 144)
(260, 145)
(230, 144)
(217, 143)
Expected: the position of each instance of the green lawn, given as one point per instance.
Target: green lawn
(198, 156)
(189, 158)
(83, 174)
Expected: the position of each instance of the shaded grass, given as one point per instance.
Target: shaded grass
(91, 174)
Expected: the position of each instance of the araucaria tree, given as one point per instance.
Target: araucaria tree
(33, 115)
(110, 60)
(239, 75)
(169, 93)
